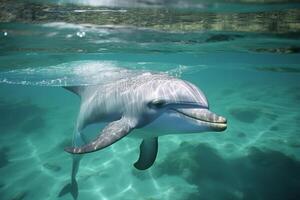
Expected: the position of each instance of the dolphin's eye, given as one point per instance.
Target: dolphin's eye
(157, 103)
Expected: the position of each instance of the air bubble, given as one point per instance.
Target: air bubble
(80, 34)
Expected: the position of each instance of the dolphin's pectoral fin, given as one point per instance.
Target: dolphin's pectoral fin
(148, 152)
(113, 132)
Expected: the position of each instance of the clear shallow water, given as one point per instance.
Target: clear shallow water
(251, 77)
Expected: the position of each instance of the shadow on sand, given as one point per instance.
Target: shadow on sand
(260, 174)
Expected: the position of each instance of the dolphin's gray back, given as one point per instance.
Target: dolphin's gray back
(121, 85)
(136, 88)
(125, 91)
(109, 102)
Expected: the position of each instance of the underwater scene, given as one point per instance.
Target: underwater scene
(212, 88)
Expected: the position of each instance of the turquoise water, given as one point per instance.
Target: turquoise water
(250, 76)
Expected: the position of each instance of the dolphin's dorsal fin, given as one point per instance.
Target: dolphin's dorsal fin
(76, 89)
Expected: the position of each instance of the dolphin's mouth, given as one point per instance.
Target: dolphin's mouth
(206, 117)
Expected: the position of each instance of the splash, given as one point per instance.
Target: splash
(91, 72)
(67, 74)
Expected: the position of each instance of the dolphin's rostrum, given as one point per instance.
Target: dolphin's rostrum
(153, 104)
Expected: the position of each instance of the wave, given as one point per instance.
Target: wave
(87, 72)
(67, 74)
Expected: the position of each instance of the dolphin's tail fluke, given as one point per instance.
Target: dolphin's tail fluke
(71, 188)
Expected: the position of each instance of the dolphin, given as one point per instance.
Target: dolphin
(154, 104)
